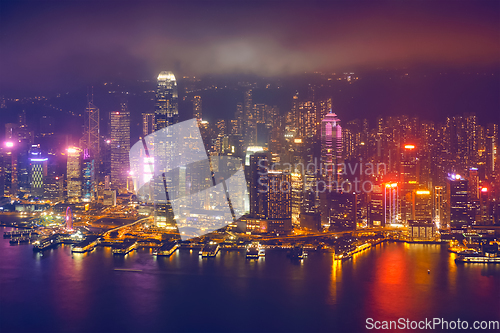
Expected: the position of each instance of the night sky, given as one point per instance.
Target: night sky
(51, 45)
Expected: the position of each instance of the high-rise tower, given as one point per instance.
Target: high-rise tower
(91, 146)
(38, 171)
(331, 147)
(458, 201)
(197, 113)
(73, 174)
(120, 147)
(250, 129)
(148, 123)
(91, 128)
(166, 112)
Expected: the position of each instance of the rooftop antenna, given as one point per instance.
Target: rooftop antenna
(90, 96)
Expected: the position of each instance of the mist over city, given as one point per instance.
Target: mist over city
(249, 166)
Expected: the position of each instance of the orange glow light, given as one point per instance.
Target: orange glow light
(409, 146)
(484, 189)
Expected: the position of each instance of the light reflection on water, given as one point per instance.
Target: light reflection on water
(186, 292)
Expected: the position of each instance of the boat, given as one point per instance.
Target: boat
(127, 270)
(462, 259)
(124, 248)
(255, 250)
(469, 253)
(210, 250)
(166, 249)
(297, 252)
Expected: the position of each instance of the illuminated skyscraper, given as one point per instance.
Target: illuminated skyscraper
(120, 147)
(259, 113)
(259, 164)
(238, 115)
(492, 149)
(38, 171)
(473, 184)
(148, 123)
(297, 197)
(439, 216)
(197, 111)
(331, 148)
(408, 179)
(73, 174)
(291, 117)
(278, 195)
(220, 132)
(91, 129)
(88, 177)
(166, 112)
(391, 203)
(323, 107)
(458, 200)
(342, 211)
(250, 122)
(485, 216)
(53, 187)
(423, 205)
(307, 123)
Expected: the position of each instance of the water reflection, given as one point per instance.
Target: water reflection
(335, 278)
(386, 282)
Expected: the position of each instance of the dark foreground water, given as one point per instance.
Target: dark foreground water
(60, 291)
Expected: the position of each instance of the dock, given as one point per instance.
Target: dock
(210, 250)
(46, 243)
(20, 233)
(124, 248)
(167, 249)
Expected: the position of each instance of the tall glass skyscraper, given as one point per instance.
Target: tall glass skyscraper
(166, 112)
(88, 177)
(38, 170)
(120, 147)
(197, 112)
(331, 147)
(148, 123)
(458, 199)
(74, 180)
(331, 157)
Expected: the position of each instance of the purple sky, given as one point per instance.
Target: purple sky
(58, 44)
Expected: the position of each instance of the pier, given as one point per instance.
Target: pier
(166, 249)
(87, 245)
(124, 248)
(48, 242)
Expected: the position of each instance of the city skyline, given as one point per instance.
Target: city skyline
(249, 166)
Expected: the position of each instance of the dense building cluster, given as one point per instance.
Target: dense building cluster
(402, 171)
(305, 167)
